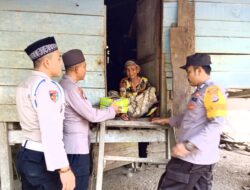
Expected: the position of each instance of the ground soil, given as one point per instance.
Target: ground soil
(231, 173)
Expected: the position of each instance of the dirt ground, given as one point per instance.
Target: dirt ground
(231, 173)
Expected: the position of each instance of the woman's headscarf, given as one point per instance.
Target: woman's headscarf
(132, 63)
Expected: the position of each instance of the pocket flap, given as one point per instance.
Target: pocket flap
(33, 156)
(177, 176)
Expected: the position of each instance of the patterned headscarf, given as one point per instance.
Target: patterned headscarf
(131, 63)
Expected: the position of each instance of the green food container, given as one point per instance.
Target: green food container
(122, 103)
(123, 109)
(106, 101)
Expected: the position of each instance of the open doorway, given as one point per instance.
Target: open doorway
(134, 32)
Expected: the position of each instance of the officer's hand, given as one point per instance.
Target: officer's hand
(115, 107)
(179, 150)
(68, 180)
(161, 121)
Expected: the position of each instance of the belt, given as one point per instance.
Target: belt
(32, 145)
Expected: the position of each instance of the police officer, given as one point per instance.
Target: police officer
(199, 129)
(42, 161)
(78, 113)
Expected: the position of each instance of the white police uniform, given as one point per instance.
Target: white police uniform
(40, 105)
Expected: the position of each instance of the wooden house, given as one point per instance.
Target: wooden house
(159, 34)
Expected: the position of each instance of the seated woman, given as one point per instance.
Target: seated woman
(139, 91)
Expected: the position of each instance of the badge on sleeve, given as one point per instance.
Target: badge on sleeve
(215, 102)
(54, 96)
(81, 93)
(191, 106)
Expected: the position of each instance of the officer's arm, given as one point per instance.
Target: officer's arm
(84, 108)
(215, 104)
(175, 121)
(211, 130)
(51, 126)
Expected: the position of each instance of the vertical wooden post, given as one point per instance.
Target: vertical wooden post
(170, 141)
(5, 159)
(100, 166)
(182, 44)
(168, 152)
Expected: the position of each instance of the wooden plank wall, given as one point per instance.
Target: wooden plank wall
(182, 44)
(74, 24)
(148, 39)
(222, 29)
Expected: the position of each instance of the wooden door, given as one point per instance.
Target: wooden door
(149, 24)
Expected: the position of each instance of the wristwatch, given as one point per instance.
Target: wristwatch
(189, 146)
(64, 170)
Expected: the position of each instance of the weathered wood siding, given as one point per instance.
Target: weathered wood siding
(169, 19)
(222, 29)
(74, 24)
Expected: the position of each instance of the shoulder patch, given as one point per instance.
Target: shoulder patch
(215, 102)
(80, 92)
(60, 91)
(54, 96)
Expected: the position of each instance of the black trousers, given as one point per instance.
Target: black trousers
(182, 175)
(32, 169)
(80, 165)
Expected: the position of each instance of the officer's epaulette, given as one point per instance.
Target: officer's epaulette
(202, 85)
(36, 87)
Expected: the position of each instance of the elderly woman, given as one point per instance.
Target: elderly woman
(139, 91)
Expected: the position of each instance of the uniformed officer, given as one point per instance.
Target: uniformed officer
(78, 113)
(42, 161)
(199, 129)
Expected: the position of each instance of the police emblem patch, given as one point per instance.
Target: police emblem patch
(80, 92)
(53, 94)
(191, 106)
(215, 102)
(197, 94)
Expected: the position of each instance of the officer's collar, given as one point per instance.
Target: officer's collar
(203, 84)
(39, 73)
(69, 78)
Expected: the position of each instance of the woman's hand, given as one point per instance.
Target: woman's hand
(124, 117)
(160, 121)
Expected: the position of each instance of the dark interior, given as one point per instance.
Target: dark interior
(121, 38)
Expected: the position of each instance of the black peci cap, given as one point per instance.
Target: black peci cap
(198, 59)
(73, 57)
(41, 47)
